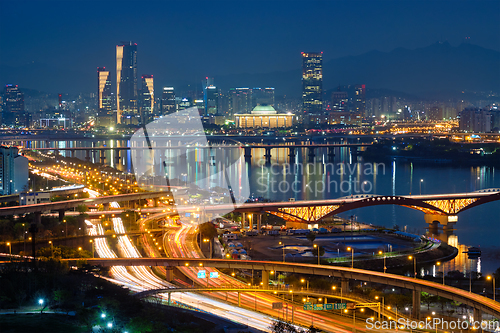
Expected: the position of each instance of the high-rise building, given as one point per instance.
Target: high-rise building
(13, 113)
(210, 97)
(126, 79)
(262, 96)
(312, 83)
(240, 100)
(360, 100)
(147, 96)
(339, 100)
(168, 104)
(435, 113)
(105, 114)
(13, 171)
(475, 120)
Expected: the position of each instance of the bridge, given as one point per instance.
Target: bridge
(478, 302)
(63, 206)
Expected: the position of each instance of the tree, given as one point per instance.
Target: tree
(319, 249)
(311, 237)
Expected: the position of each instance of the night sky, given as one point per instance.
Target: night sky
(192, 39)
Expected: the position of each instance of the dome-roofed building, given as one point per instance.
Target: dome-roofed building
(264, 116)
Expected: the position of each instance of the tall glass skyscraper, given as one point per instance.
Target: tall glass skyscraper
(147, 97)
(13, 106)
(168, 104)
(126, 79)
(104, 89)
(312, 83)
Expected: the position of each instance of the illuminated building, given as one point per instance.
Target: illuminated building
(168, 104)
(312, 83)
(126, 80)
(13, 171)
(435, 113)
(147, 97)
(345, 118)
(475, 120)
(13, 113)
(264, 116)
(339, 100)
(240, 100)
(262, 96)
(105, 115)
(360, 100)
(210, 97)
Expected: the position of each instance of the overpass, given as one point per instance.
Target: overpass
(478, 302)
(62, 206)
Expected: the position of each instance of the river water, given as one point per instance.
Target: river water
(346, 176)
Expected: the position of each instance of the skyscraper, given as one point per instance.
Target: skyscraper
(13, 171)
(312, 83)
(104, 89)
(262, 96)
(147, 96)
(210, 97)
(168, 104)
(339, 100)
(240, 100)
(126, 79)
(13, 106)
(360, 100)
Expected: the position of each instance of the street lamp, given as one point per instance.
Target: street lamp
(352, 256)
(421, 181)
(206, 240)
(383, 303)
(307, 283)
(51, 248)
(439, 264)
(489, 277)
(92, 242)
(283, 247)
(10, 250)
(382, 252)
(40, 301)
(414, 264)
(317, 249)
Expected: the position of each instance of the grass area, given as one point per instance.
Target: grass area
(47, 322)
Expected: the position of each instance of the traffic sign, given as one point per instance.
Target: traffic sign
(339, 306)
(308, 307)
(202, 274)
(318, 307)
(214, 275)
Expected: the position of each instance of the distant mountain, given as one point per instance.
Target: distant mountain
(439, 67)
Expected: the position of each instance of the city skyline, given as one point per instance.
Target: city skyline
(257, 51)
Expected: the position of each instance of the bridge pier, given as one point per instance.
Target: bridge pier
(169, 298)
(265, 279)
(478, 317)
(344, 285)
(248, 154)
(331, 154)
(291, 155)
(243, 217)
(267, 155)
(169, 276)
(61, 214)
(311, 155)
(259, 221)
(415, 311)
(87, 155)
(102, 156)
(117, 157)
(434, 220)
(105, 206)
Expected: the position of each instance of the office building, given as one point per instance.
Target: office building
(262, 96)
(312, 83)
(126, 80)
(168, 104)
(264, 116)
(13, 171)
(147, 97)
(435, 113)
(105, 114)
(360, 100)
(13, 113)
(240, 100)
(339, 101)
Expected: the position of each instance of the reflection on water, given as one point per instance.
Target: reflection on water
(475, 227)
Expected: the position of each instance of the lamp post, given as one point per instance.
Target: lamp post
(414, 264)
(383, 302)
(66, 235)
(51, 248)
(92, 242)
(206, 240)
(385, 267)
(283, 247)
(10, 250)
(40, 301)
(439, 264)
(317, 249)
(352, 255)
(307, 283)
(489, 277)
(421, 181)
